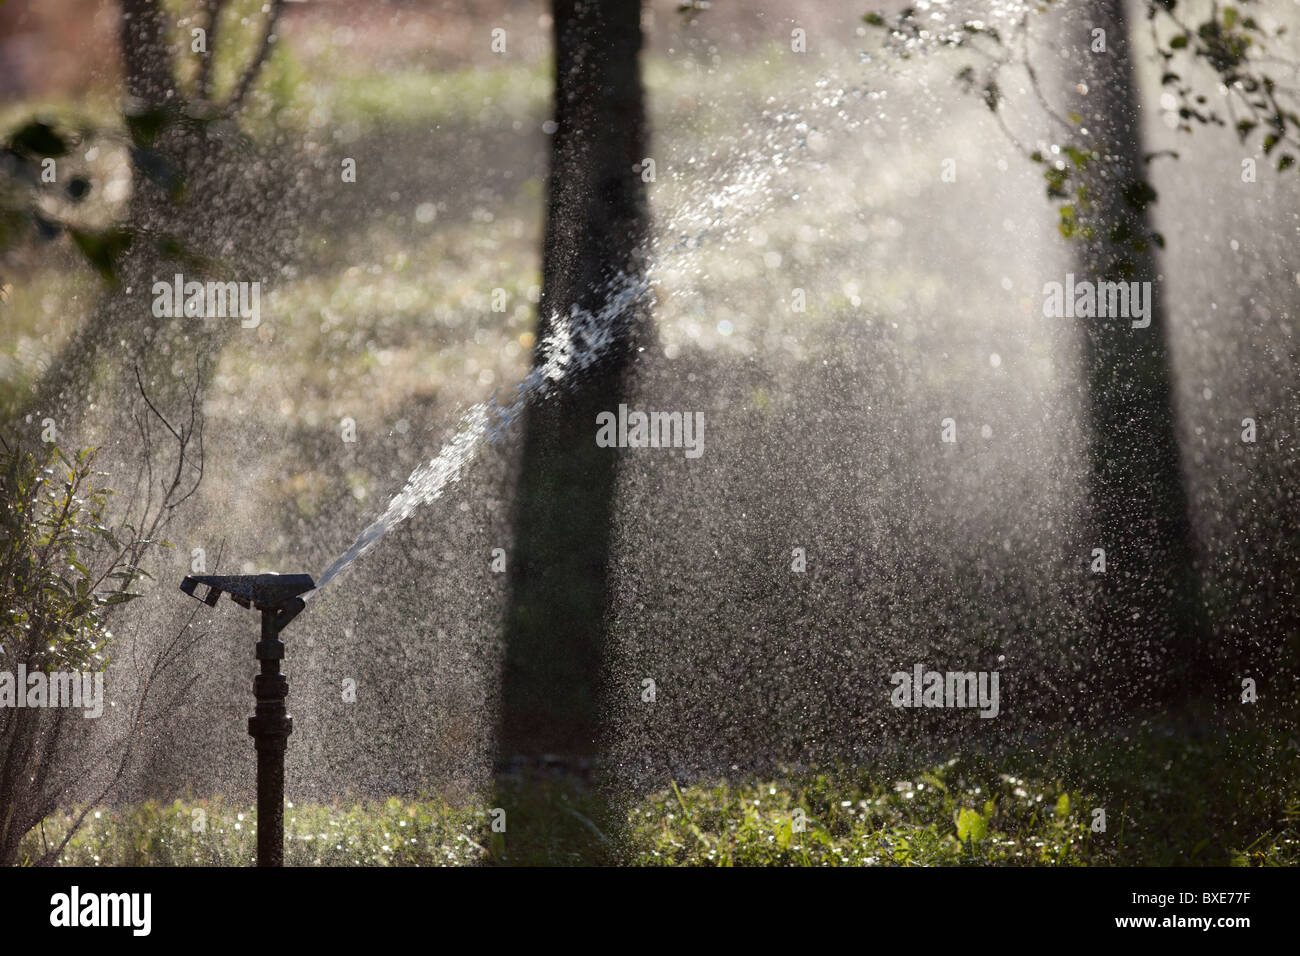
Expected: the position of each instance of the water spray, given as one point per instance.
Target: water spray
(279, 598)
(573, 344)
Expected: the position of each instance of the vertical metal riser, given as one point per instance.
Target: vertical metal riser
(270, 727)
(278, 598)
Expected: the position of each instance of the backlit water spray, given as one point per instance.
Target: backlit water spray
(578, 341)
(572, 346)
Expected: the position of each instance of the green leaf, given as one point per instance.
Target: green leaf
(1055, 182)
(1067, 224)
(784, 834)
(107, 536)
(1077, 156)
(971, 826)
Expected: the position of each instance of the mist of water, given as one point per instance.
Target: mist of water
(576, 342)
(573, 345)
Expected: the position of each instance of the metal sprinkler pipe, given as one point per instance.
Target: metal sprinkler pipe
(278, 597)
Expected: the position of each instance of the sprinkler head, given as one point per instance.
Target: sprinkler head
(278, 593)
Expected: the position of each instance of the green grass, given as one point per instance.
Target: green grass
(213, 833)
(467, 96)
(1168, 800)
(941, 817)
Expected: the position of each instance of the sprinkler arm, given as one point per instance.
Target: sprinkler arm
(277, 596)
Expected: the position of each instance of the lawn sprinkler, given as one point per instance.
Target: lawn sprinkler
(278, 597)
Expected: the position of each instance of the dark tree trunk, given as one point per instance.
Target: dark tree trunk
(595, 235)
(1148, 629)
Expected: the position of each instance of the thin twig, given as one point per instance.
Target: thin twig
(250, 73)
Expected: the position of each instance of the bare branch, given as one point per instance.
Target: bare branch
(215, 8)
(253, 68)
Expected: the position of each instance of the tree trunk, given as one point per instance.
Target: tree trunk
(595, 234)
(1146, 609)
